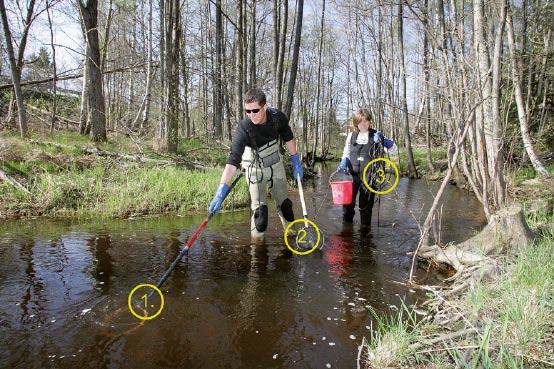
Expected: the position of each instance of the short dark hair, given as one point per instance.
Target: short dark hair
(255, 95)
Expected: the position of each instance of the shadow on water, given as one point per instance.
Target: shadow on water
(230, 303)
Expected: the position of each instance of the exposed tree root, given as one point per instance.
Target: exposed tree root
(459, 334)
(506, 232)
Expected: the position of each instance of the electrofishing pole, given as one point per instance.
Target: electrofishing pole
(190, 242)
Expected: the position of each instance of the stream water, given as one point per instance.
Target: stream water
(229, 303)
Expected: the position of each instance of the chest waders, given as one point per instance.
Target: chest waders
(360, 156)
(265, 173)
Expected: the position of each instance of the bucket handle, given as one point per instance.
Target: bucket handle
(347, 175)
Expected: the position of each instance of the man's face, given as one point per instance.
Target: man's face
(255, 112)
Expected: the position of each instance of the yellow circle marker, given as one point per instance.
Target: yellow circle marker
(394, 167)
(131, 307)
(299, 221)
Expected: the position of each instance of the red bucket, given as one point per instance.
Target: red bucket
(342, 189)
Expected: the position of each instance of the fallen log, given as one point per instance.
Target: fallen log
(58, 117)
(136, 158)
(445, 337)
(13, 182)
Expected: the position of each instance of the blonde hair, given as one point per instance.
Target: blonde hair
(358, 116)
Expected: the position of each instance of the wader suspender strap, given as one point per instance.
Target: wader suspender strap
(255, 157)
(253, 145)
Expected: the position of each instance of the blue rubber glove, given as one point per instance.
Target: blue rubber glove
(343, 166)
(220, 195)
(297, 167)
(388, 143)
(378, 137)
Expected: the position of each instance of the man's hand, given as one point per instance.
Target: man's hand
(220, 195)
(297, 167)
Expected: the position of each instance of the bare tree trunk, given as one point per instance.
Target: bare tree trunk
(204, 69)
(427, 89)
(227, 104)
(518, 91)
(146, 102)
(170, 123)
(431, 215)
(106, 36)
(54, 71)
(294, 62)
(276, 29)
(542, 88)
(239, 67)
(185, 73)
(482, 115)
(412, 170)
(252, 47)
(112, 89)
(244, 77)
(226, 88)
(318, 82)
(162, 45)
(16, 63)
(488, 132)
(497, 159)
(89, 15)
(84, 122)
(281, 60)
(218, 88)
(132, 93)
(380, 105)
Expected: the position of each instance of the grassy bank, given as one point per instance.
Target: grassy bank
(67, 181)
(420, 158)
(513, 314)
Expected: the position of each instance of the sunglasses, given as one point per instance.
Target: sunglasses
(255, 111)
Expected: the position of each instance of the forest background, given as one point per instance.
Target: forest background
(106, 105)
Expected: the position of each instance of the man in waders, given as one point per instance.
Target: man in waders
(255, 147)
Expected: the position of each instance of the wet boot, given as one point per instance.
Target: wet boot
(365, 227)
(257, 237)
(292, 232)
(347, 227)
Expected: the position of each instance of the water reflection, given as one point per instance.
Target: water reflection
(103, 271)
(229, 303)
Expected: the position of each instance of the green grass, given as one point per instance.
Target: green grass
(64, 182)
(388, 345)
(518, 176)
(99, 191)
(206, 152)
(518, 308)
(420, 158)
(515, 314)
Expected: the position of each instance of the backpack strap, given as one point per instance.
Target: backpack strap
(353, 138)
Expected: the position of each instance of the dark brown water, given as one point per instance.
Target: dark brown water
(229, 304)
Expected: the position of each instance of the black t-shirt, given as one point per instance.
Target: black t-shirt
(257, 135)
